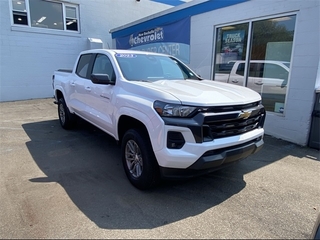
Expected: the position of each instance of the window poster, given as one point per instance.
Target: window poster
(232, 43)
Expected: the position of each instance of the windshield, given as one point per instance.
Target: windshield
(148, 67)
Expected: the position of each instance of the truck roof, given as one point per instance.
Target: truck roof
(124, 51)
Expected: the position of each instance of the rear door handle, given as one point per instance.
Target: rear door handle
(88, 89)
(72, 84)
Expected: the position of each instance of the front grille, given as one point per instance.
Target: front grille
(213, 122)
(226, 124)
(235, 127)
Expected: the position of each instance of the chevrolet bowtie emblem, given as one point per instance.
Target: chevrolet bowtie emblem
(244, 114)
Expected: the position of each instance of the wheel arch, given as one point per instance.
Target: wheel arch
(127, 122)
(58, 94)
(138, 158)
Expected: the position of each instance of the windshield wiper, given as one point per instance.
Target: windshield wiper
(198, 79)
(140, 80)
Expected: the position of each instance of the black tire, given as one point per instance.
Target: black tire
(67, 119)
(138, 159)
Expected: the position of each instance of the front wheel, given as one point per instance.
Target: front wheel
(138, 159)
(66, 118)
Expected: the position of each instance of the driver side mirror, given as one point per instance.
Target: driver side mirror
(101, 78)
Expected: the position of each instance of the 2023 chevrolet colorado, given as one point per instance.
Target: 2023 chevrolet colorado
(170, 122)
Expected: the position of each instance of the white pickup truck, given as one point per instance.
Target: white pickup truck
(170, 122)
(267, 77)
(264, 76)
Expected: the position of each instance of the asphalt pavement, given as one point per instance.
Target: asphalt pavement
(70, 184)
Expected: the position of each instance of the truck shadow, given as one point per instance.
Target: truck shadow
(86, 162)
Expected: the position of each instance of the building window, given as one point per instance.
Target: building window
(71, 18)
(45, 14)
(19, 12)
(268, 58)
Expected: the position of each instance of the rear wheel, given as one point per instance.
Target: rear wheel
(66, 118)
(138, 159)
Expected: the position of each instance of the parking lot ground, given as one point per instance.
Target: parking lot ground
(70, 184)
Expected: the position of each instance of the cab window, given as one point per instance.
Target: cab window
(83, 64)
(103, 65)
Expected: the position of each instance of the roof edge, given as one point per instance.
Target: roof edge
(171, 15)
(159, 14)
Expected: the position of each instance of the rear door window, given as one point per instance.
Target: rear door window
(83, 65)
(240, 69)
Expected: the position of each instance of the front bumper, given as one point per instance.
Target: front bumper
(213, 160)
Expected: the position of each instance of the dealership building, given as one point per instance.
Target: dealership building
(271, 46)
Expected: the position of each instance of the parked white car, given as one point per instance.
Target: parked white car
(265, 76)
(268, 78)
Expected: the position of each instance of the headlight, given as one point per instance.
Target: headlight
(173, 110)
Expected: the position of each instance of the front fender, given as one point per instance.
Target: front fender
(150, 119)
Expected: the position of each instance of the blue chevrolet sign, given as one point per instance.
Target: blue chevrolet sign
(172, 39)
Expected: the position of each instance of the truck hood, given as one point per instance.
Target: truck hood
(204, 92)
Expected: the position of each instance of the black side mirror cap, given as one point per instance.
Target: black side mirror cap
(101, 78)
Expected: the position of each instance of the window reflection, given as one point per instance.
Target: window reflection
(71, 19)
(19, 12)
(231, 46)
(71, 12)
(19, 5)
(46, 14)
(269, 68)
(272, 43)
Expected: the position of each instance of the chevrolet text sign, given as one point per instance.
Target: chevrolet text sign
(173, 39)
